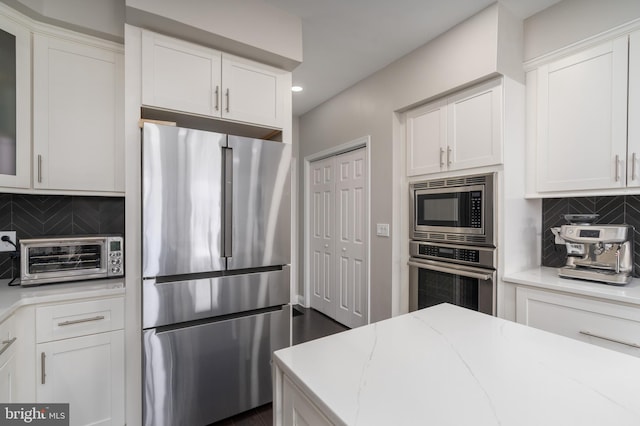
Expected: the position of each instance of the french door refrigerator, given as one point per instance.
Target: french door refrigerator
(215, 254)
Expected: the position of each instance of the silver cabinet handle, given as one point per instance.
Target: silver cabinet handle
(98, 318)
(39, 168)
(633, 166)
(43, 375)
(449, 150)
(217, 98)
(6, 344)
(598, 336)
(227, 94)
(441, 157)
(617, 167)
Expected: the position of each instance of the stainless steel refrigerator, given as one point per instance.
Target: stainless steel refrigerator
(215, 253)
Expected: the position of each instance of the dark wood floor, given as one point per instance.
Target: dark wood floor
(307, 324)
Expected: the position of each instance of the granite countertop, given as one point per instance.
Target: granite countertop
(547, 278)
(446, 365)
(11, 298)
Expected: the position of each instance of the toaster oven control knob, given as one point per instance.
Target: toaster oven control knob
(115, 270)
(116, 261)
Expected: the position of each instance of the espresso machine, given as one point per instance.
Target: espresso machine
(602, 253)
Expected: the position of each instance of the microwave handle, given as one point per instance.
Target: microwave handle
(453, 270)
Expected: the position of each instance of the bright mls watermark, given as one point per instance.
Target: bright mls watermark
(34, 414)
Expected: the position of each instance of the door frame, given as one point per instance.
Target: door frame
(362, 142)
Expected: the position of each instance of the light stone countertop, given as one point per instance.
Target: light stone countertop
(446, 365)
(12, 298)
(547, 278)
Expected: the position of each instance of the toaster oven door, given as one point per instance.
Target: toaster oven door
(47, 261)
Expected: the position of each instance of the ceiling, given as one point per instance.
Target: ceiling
(345, 41)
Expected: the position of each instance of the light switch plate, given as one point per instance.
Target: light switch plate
(382, 229)
(5, 246)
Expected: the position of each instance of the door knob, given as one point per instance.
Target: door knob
(344, 249)
(326, 246)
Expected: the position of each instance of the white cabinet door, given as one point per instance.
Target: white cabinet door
(582, 113)
(253, 93)
(180, 76)
(633, 144)
(602, 323)
(86, 372)
(77, 115)
(15, 104)
(426, 135)
(8, 366)
(475, 127)
(297, 410)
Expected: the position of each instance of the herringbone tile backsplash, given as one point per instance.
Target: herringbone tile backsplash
(623, 209)
(54, 215)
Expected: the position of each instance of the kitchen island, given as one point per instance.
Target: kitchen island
(446, 365)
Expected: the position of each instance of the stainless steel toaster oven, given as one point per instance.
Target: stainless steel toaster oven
(58, 259)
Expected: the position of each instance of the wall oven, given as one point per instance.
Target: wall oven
(456, 274)
(454, 210)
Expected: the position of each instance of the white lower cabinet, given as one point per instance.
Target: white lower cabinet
(604, 323)
(8, 366)
(80, 359)
(297, 409)
(87, 373)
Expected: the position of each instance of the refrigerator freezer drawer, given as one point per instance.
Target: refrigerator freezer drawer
(180, 301)
(201, 374)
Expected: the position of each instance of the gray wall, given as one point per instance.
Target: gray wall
(570, 21)
(465, 54)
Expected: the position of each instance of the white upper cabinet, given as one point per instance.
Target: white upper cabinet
(183, 76)
(77, 114)
(633, 144)
(179, 75)
(582, 119)
(426, 138)
(253, 93)
(15, 103)
(460, 132)
(475, 127)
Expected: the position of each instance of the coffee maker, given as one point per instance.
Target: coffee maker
(602, 253)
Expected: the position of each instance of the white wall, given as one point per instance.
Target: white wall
(571, 21)
(468, 53)
(249, 28)
(101, 18)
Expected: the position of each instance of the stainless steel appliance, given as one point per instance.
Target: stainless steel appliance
(602, 253)
(454, 210)
(59, 259)
(452, 252)
(216, 250)
(457, 274)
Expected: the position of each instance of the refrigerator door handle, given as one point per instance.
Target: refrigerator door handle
(228, 202)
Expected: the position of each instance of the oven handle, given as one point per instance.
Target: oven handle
(453, 270)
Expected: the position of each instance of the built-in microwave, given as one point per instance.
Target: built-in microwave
(455, 210)
(59, 259)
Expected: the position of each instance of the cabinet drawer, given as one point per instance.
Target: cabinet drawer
(606, 324)
(62, 321)
(7, 339)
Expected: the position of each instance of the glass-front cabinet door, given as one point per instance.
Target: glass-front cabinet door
(15, 103)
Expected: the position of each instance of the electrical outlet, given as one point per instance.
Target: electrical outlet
(6, 246)
(382, 229)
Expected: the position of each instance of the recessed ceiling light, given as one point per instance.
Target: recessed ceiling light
(296, 89)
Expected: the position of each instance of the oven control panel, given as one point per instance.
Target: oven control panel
(477, 256)
(468, 255)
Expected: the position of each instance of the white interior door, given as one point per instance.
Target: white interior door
(338, 237)
(351, 239)
(321, 182)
